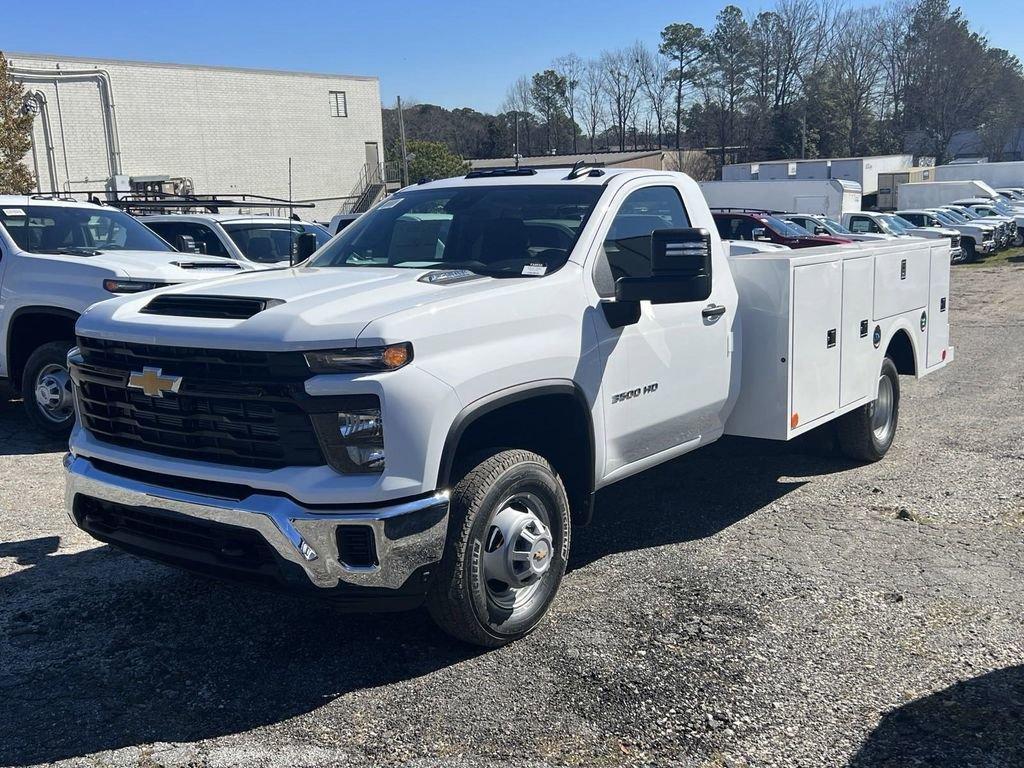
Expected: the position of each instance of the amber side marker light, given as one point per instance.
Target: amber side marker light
(794, 420)
(395, 356)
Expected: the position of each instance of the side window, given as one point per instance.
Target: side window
(861, 224)
(626, 251)
(206, 239)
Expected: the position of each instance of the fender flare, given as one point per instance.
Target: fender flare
(902, 324)
(61, 312)
(516, 394)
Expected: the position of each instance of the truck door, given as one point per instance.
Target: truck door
(666, 371)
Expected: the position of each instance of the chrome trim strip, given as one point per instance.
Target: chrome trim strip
(298, 534)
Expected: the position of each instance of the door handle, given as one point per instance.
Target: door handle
(712, 310)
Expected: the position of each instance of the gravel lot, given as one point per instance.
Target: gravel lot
(751, 604)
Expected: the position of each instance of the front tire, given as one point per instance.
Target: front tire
(867, 433)
(970, 253)
(508, 545)
(46, 389)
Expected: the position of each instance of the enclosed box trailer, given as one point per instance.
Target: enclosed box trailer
(994, 174)
(888, 185)
(929, 194)
(829, 197)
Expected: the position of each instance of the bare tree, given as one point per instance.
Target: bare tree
(893, 31)
(858, 71)
(571, 69)
(653, 69)
(519, 101)
(592, 99)
(620, 83)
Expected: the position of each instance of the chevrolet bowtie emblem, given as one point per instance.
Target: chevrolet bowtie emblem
(153, 383)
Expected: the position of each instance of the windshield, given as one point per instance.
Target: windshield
(268, 242)
(1003, 207)
(944, 217)
(967, 213)
(502, 231)
(836, 228)
(783, 227)
(86, 230)
(898, 224)
(955, 216)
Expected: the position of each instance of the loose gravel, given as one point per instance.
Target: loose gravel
(752, 604)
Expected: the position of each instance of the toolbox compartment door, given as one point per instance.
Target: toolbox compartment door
(817, 316)
(938, 306)
(858, 368)
(901, 280)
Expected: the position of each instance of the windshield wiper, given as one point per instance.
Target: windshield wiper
(78, 250)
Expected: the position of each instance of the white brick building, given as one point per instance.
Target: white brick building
(227, 130)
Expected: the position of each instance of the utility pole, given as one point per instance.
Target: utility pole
(401, 138)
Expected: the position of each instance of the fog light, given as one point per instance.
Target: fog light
(353, 439)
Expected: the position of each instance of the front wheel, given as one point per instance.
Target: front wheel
(867, 433)
(508, 545)
(970, 253)
(1018, 238)
(46, 389)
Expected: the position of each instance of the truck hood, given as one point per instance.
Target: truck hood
(163, 266)
(318, 306)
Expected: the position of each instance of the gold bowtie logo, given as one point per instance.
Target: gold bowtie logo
(152, 382)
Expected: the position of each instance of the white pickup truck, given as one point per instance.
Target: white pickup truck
(56, 258)
(423, 411)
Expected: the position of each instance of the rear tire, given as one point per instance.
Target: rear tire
(508, 545)
(867, 433)
(46, 389)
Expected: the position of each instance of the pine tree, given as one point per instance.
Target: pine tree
(15, 135)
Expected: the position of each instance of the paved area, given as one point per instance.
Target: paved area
(752, 604)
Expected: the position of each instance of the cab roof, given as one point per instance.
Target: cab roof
(540, 176)
(22, 201)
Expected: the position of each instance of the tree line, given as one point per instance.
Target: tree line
(805, 78)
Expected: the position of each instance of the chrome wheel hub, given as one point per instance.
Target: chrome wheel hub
(518, 550)
(53, 393)
(882, 410)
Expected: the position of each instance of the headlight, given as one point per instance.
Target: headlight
(360, 360)
(116, 285)
(353, 439)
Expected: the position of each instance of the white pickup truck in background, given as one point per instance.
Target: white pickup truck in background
(262, 242)
(57, 257)
(422, 412)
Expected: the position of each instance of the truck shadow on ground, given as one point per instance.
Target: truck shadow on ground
(17, 435)
(977, 722)
(699, 494)
(102, 650)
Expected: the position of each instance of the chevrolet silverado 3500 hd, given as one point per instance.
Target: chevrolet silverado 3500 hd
(422, 411)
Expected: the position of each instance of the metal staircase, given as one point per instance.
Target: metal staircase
(374, 182)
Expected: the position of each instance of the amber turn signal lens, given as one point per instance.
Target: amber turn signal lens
(395, 356)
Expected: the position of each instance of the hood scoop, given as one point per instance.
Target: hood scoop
(207, 264)
(217, 307)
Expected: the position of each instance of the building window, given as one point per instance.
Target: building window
(339, 105)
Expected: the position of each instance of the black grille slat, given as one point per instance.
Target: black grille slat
(233, 407)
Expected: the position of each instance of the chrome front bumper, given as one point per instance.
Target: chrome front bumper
(408, 536)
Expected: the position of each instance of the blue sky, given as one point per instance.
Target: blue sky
(450, 52)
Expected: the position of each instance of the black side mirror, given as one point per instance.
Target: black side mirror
(759, 233)
(185, 244)
(305, 245)
(680, 269)
(820, 230)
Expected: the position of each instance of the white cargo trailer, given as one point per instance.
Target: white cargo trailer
(863, 170)
(830, 197)
(930, 194)
(993, 174)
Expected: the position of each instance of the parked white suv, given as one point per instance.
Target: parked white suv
(423, 411)
(977, 240)
(57, 257)
(263, 242)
